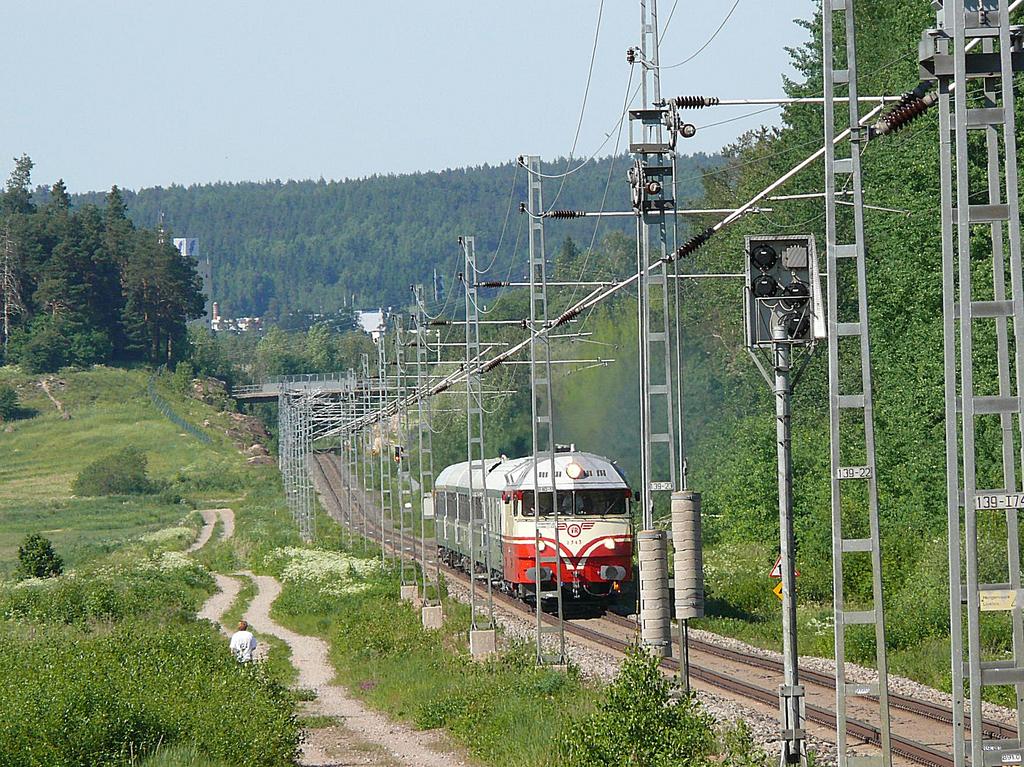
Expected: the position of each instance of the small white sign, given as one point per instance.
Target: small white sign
(661, 486)
(999, 501)
(853, 472)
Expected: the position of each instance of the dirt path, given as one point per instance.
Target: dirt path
(227, 517)
(214, 608)
(227, 588)
(379, 741)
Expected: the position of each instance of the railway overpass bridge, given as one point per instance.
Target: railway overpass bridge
(270, 389)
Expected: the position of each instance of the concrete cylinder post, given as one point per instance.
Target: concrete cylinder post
(689, 558)
(655, 610)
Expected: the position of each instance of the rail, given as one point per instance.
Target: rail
(921, 753)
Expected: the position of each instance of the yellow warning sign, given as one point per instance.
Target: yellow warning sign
(777, 591)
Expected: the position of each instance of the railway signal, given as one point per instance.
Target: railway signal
(781, 315)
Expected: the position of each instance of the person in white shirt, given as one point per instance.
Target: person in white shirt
(243, 643)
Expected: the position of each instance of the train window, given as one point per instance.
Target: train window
(579, 503)
(598, 502)
(529, 504)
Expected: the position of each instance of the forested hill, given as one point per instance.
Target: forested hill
(279, 245)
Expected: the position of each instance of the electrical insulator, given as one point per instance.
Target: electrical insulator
(566, 316)
(687, 130)
(522, 207)
(653, 187)
(910, 107)
(695, 102)
(494, 284)
(631, 55)
(695, 243)
(565, 214)
(440, 322)
(491, 364)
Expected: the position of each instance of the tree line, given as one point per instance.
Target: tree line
(283, 246)
(85, 285)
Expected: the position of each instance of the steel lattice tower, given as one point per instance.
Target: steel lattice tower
(543, 429)
(406, 513)
(430, 592)
(851, 418)
(386, 499)
(653, 187)
(479, 508)
(981, 217)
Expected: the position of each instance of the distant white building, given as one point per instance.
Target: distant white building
(371, 322)
(189, 246)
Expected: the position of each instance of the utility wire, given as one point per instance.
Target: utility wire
(586, 95)
(607, 185)
(740, 117)
(600, 295)
(710, 40)
(504, 226)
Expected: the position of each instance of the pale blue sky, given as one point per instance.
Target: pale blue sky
(143, 93)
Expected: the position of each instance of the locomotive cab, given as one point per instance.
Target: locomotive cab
(591, 530)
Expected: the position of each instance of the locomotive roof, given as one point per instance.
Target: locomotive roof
(517, 473)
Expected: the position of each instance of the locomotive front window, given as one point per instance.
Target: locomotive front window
(579, 503)
(598, 503)
(529, 505)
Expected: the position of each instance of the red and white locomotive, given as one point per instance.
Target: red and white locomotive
(595, 535)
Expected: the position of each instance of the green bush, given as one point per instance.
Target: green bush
(8, 403)
(51, 342)
(107, 696)
(181, 379)
(37, 559)
(638, 722)
(120, 473)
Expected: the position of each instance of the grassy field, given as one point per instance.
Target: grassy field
(140, 680)
(109, 409)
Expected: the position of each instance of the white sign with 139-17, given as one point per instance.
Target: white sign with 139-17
(983, 501)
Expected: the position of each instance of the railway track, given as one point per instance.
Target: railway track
(908, 715)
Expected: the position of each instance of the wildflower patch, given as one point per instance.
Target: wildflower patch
(333, 573)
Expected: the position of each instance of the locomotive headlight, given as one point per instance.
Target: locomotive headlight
(574, 470)
(609, 544)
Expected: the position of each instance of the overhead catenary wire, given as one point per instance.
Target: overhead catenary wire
(586, 94)
(710, 40)
(597, 296)
(504, 225)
